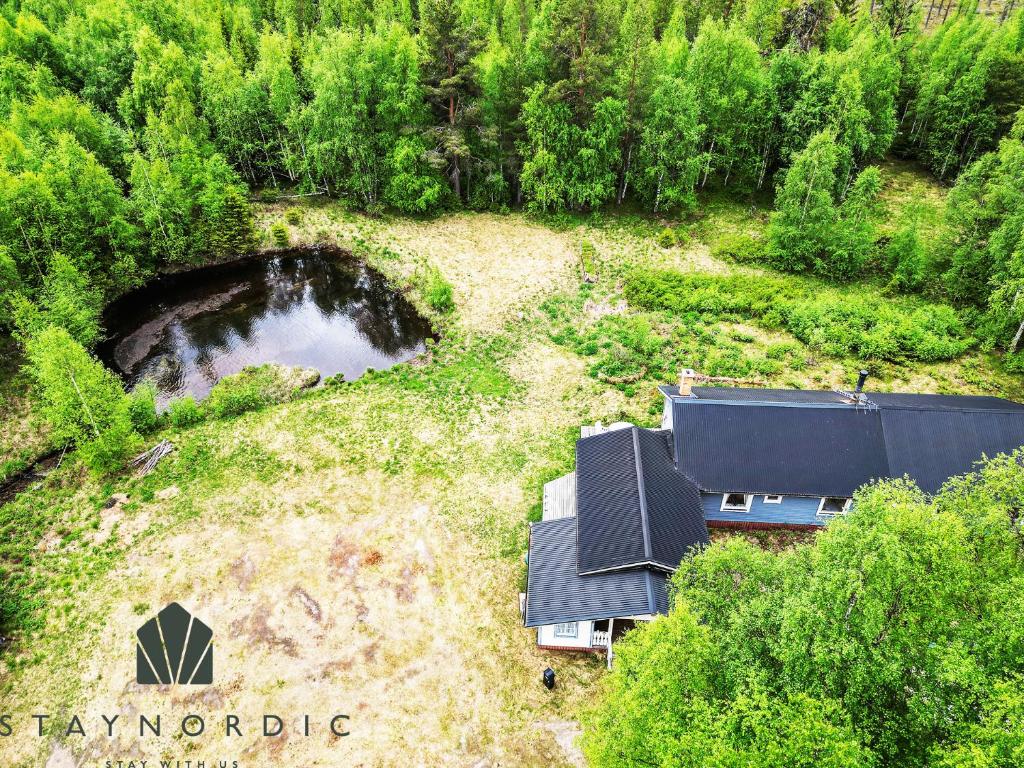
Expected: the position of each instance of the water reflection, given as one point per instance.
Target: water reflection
(315, 308)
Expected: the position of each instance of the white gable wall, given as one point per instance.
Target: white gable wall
(584, 634)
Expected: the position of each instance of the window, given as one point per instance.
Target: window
(833, 505)
(569, 629)
(772, 499)
(736, 502)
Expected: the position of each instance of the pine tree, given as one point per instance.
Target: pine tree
(449, 42)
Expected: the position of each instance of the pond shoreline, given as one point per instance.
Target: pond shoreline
(318, 306)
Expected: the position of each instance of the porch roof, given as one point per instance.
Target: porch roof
(556, 593)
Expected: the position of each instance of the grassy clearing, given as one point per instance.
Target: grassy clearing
(360, 551)
(359, 548)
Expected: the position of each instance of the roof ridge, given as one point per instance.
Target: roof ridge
(642, 493)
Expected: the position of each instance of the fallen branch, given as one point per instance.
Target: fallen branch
(700, 377)
(145, 462)
(628, 379)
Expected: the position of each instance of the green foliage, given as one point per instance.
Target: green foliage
(254, 387)
(438, 292)
(84, 403)
(906, 259)
(967, 84)
(836, 323)
(892, 639)
(811, 231)
(142, 407)
(738, 248)
(667, 238)
(279, 231)
(184, 412)
(366, 93)
(981, 256)
(67, 300)
(293, 216)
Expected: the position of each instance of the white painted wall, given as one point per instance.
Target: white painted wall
(584, 630)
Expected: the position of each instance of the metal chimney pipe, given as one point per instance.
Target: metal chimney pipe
(860, 381)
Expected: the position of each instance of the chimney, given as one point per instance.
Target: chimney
(687, 378)
(860, 381)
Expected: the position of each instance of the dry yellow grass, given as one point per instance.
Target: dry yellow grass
(359, 552)
(336, 587)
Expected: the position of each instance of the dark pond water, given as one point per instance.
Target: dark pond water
(316, 308)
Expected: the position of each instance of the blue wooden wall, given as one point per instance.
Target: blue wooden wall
(794, 510)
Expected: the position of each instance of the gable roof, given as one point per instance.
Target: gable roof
(555, 593)
(821, 444)
(932, 446)
(632, 508)
(779, 449)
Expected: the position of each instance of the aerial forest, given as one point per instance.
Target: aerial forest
(136, 135)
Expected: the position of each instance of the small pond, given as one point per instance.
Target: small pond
(318, 308)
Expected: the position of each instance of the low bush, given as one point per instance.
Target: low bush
(184, 412)
(293, 216)
(836, 323)
(587, 257)
(256, 386)
(142, 407)
(279, 232)
(438, 292)
(248, 390)
(739, 248)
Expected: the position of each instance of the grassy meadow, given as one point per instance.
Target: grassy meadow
(359, 549)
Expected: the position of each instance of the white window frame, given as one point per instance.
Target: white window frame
(773, 498)
(822, 512)
(748, 499)
(562, 630)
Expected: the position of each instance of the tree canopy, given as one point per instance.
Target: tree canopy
(892, 640)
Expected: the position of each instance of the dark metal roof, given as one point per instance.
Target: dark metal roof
(674, 514)
(812, 448)
(610, 526)
(632, 507)
(778, 449)
(750, 394)
(882, 399)
(555, 593)
(933, 445)
(946, 402)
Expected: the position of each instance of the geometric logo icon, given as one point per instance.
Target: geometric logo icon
(174, 647)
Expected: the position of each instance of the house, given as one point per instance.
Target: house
(640, 499)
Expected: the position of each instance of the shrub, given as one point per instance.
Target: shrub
(184, 412)
(738, 248)
(142, 407)
(906, 260)
(587, 257)
(667, 238)
(836, 323)
(438, 292)
(248, 390)
(279, 232)
(293, 216)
